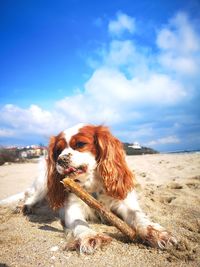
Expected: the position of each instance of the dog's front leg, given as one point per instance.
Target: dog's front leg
(152, 233)
(85, 240)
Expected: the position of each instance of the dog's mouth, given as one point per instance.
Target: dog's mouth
(75, 170)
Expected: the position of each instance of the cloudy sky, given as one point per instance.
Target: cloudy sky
(134, 67)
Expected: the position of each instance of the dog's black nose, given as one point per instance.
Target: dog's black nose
(64, 160)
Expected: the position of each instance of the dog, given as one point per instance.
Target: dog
(96, 160)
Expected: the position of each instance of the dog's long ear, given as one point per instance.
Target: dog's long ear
(117, 178)
(56, 193)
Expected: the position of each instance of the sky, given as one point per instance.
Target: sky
(133, 66)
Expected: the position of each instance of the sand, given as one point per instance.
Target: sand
(15, 178)
(168, 188)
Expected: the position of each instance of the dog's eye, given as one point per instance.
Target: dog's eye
(80, 144)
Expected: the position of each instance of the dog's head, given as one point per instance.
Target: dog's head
(85, 151)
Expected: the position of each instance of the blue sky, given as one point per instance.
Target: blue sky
(134, 67)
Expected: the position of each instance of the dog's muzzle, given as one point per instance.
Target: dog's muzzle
(65, 162)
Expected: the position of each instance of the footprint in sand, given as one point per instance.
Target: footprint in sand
(175, 186)
(193, 185)
(167, 199)
(193, 182)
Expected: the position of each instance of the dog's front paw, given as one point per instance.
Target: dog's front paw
(88, 243)
(27, 209)
(158, 237)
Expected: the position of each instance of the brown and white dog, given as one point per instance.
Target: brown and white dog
(97, 160)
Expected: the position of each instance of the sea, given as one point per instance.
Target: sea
(186, 151)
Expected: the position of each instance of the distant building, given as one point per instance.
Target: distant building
(23, 154)
(32, 151)
(136, 145)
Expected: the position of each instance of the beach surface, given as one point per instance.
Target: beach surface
(168, 187)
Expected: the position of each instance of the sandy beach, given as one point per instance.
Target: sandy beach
(168, 187)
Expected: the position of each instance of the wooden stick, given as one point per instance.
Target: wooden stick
(93, 203)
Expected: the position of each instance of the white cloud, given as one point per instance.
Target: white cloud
(121, 24)
(33, 120)
(120, 53)
(181, 64)
(159, 89)
(6, 133)
(164, 141)
(110, 97)
(179, 35)
(111, 87)
(180, 46)
(134, 133)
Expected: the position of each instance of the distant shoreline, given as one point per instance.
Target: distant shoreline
(186, 151)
